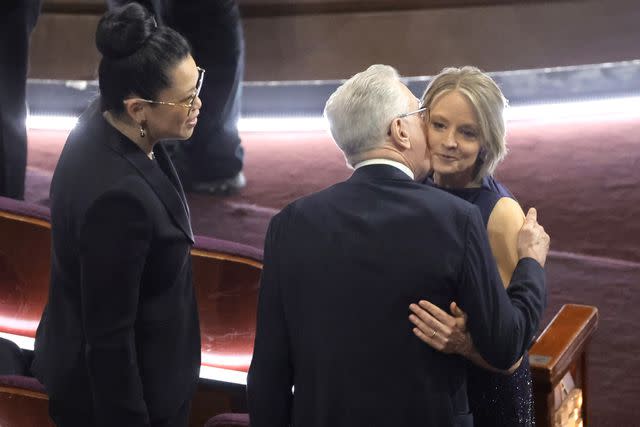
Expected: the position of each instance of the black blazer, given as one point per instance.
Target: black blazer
(120, 332)
(340, 270)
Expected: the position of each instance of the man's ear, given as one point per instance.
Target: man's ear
(399, 133)
(135, 109)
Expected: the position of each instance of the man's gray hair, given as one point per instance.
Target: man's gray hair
(361, 110)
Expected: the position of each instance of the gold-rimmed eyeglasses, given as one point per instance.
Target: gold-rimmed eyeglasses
(192, 98)
(420, 111)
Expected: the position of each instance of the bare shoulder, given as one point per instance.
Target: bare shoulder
(506, 216)
(505, 222)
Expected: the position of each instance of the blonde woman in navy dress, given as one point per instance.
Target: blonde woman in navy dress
(467, 140)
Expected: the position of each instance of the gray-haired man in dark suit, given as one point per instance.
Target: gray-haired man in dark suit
(342, 266)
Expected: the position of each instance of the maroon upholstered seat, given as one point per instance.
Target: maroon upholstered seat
(229, 420)
(23, 402)
(226, 277)
(22, 382)
(235, 249)
(24, 209)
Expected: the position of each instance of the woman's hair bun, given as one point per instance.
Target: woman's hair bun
(124, 30)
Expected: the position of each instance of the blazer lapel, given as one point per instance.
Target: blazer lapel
(170, 193)
(162, 156)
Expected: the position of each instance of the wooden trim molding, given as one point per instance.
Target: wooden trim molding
(265, 9)
(22, 218)
(298, 8)
(225, 257)
(17, 391)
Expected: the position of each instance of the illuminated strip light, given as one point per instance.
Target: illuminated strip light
(600, 109)
(206, 372)
(13, 323)
(51, 122)
(217, 359)
(22, 342)
(283, 124)
(224, 375)
(595, 110)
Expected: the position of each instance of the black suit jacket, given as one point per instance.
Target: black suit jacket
(340, 270)
(120, 332)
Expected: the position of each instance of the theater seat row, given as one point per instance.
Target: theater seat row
(226, 279)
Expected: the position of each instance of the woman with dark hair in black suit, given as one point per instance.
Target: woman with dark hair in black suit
(211, 161)
(119, 341)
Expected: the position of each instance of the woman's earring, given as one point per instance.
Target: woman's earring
(143, 133)
(482, 155)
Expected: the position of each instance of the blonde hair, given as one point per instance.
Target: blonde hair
(360, 111)
(488, 102)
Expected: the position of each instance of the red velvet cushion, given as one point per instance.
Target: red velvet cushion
(228, 247)
(229, 420)
(19, 381)
(19, 207)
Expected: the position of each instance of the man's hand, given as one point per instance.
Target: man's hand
(533, 241)
(440, 330)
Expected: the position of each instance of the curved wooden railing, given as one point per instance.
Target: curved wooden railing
(274, 8)
(559, 365)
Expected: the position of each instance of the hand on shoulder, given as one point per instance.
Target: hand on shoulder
(533, 241)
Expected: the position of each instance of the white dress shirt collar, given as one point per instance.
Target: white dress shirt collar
(393, 163)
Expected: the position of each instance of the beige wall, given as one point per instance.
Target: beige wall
(424, 41)
(417, 42)
(63, 47)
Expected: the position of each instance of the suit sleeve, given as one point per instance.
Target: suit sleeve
(270, 376)
(114, 241)
(502, 324)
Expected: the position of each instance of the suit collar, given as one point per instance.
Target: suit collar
(389, 162)
(379, 172)
(159, 174)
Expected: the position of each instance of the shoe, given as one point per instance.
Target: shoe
(222, 187)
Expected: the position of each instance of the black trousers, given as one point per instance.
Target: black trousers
(17, 19)
(214, 30)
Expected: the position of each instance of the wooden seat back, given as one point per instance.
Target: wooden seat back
(25, 246)
(226, 278)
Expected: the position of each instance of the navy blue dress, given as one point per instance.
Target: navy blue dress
(495, 399)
